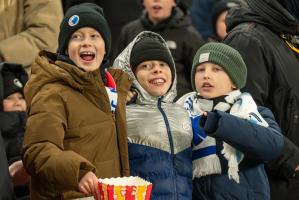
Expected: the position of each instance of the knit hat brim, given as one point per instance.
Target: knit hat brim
(150, 49)
(151, 54)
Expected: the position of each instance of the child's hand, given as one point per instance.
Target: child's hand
(131, 94)
(18, 173)
(89, 185)
(205, 114)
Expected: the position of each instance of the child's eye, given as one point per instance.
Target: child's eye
(200, 69)
(76, 36)
(216, 69)
(21, 98)
(95, 35)
(163, 64)
(147, 66)
(8, 98)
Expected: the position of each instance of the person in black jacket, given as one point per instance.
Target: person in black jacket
(168, 20)
(12, 124)
(266, 34)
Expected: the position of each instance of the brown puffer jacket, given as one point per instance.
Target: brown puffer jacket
(71, 129)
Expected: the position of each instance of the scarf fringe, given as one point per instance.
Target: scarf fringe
(229, 153)
(206, 166)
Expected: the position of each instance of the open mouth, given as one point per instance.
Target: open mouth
(157, 81)
(87, 55)
(206, 85)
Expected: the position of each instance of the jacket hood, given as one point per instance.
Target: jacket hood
(123, 62)
(177, 19)
(47, 69)
(270, 13)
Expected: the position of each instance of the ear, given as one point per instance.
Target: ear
(233, 86)
(174, 3)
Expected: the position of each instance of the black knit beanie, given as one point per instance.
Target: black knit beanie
(148, 48)
(226, 57)
(14, 78)
(79, 16)
(11, 84)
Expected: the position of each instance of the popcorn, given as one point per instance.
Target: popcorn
(125, 188)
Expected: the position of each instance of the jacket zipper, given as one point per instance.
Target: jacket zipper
(170, 142)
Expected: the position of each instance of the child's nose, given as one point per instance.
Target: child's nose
(86, 41)
(17, 102)
(156, 67)
(207, 74)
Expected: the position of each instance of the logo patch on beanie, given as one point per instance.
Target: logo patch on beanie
(74, 20)
(204, 57)
(17, 83)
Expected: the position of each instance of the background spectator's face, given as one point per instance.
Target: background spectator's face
(154, 76)
(158, 10)
(212, 81)
(86, 48)
(221, 26)
(14, 102)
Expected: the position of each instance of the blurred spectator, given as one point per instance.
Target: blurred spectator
(26, 27)
(266, 34)
(219, 12)
(12, 124)
(168, 20)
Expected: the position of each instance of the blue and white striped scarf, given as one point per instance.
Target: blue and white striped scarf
(205, 159)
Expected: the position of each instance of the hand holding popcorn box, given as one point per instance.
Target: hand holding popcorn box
(125, 188)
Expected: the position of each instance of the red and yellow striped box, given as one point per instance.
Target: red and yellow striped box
(125, 188)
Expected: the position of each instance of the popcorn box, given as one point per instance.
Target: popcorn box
(125, 188)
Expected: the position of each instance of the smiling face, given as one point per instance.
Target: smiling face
(14, 102)
(158, 10)
(154, 76)
(212, 81)
(86, 48)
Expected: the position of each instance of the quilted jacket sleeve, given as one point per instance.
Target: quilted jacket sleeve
(43, 150)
